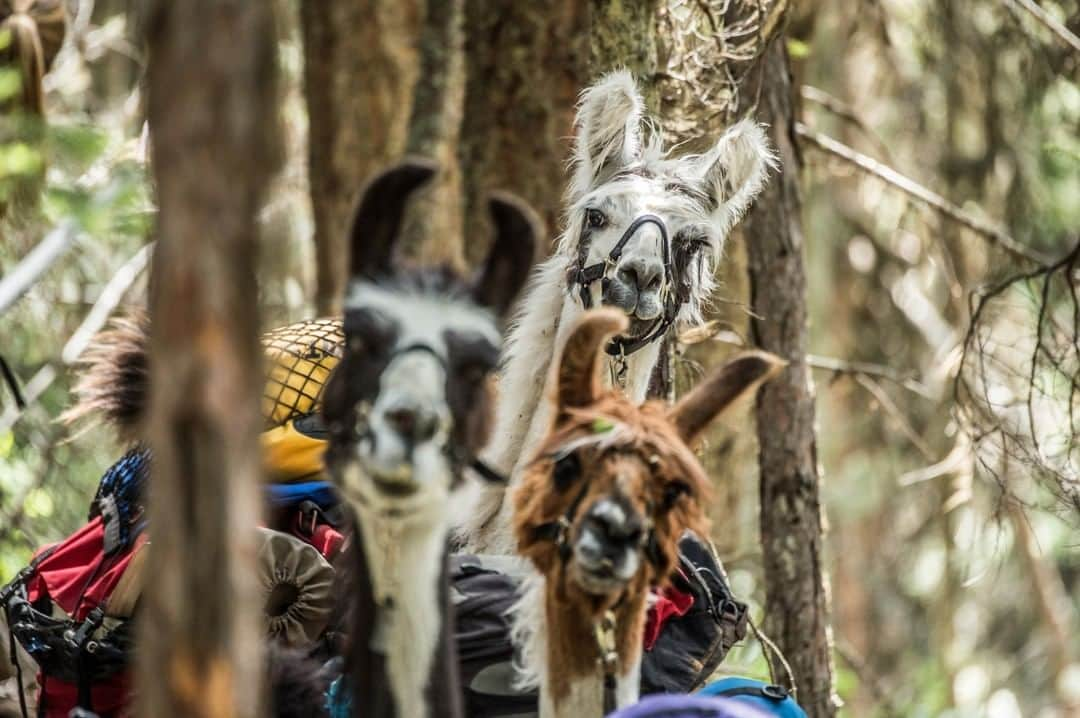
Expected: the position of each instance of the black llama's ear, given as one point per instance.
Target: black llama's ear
(517, 231)
(379, 213)
(578, 383)
(720, 389)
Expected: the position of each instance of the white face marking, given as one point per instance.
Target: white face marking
(610, 511)
(602, 567)
(412, 390)
(622, 201)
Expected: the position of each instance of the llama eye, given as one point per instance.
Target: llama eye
(566, 471)
(473, 374)
(595, 219)
(672, 493)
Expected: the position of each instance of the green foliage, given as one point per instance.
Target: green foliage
(81, 166)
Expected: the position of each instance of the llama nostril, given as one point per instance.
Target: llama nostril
(643, 274)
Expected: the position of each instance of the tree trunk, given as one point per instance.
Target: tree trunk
(797, 605)
(433, 227)
(525, 65)
(212, 108)
(360, 65)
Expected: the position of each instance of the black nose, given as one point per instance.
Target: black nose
(412, 424)
(645, 274)
(614, 524)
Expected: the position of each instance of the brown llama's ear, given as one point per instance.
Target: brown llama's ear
(720, 389)
(517, 231)
(379, 213)
(578, 384)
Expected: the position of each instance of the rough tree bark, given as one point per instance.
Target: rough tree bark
(212, 109)
(360, 65)
(797, 604)
(433, 228)
(526, 64)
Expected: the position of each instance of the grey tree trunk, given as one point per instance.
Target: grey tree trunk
(433, 227)
(792, 532)
(526, 64)
(212, 106)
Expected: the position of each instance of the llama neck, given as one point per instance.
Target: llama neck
(560, 655)
(405, 560)
(529, 348)
(523, 409)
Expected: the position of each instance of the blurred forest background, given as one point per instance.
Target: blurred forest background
(937, 148)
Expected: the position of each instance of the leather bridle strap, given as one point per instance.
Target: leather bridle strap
(584, 277)
(558, 531)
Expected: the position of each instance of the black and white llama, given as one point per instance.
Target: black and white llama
(407, 410)
(643, 232)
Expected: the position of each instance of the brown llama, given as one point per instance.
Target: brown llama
(599, 513)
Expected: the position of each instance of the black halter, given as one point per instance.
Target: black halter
(558, 531)
(675, 296)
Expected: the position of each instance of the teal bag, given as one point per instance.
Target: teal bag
(772, 700)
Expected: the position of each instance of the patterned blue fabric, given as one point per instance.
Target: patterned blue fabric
(779, 705)
(119, 499)
(320, 492)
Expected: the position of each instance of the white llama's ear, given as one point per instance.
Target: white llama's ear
(720, 389)
(734, 171)
(517, 232)
(379, 213)
(608, 131)
(578, 384)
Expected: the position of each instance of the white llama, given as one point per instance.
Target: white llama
(643, 231)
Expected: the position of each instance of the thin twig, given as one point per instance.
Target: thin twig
(1050, 22)
(845, 112)
(866, 676)
(107, 301)
(995, 234)
(715, 330)
(27, 272)
(842, 366)
(893, 410)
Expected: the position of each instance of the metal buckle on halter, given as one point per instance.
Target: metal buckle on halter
(562, 530)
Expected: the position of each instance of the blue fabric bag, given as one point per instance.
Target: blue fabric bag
(770, 699)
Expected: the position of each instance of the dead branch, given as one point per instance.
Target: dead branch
(845, 112)
(27, 272)
(890, 408)
(1017, 383)
(1049, 21)
(996, 235)
(106, 303)
(880, 371)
